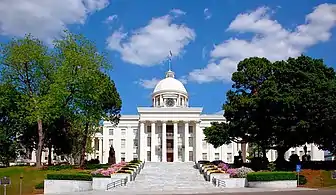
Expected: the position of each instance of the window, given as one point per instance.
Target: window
(308, 153)
(135, 144)
(149, 129)
(54, 158)
(123, 131)
(204, 156)
(229, 157)
(110, 131)
(110, 142)
(190, 129)
(149, 156)
(135, 132)
(191, 141)
(191, 156)
(135, 156)
(149, 141)
(204, 144)
(301, 153)
(122, 156)
(216, 156)
(292, 152)
(46, 157)
(62, 157)
(123, 143)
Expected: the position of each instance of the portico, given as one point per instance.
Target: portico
(170, 141)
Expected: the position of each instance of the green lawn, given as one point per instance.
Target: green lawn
(31, 177)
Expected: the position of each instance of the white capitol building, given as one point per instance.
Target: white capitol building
(170, 131)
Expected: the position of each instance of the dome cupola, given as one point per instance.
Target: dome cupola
(170, 92)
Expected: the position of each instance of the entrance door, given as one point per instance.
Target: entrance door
(170, 157)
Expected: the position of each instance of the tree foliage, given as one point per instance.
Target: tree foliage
(64, 91)
(282, 104)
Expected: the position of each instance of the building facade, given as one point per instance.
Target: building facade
(170, 131)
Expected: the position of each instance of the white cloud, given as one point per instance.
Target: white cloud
(271, 40)
(150, 45)
(111, 18)
(148, 84)
(45, 19)
(177, 12)
(207, 14)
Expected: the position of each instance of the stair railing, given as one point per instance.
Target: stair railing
(116, 183)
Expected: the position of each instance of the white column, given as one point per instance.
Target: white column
(175, 142)
(142, 146)
(198, 142)
(164, 142)
(186, 142)
(153, 143)
(101, 150)
(161, 100)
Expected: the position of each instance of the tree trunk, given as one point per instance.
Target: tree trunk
(243, 146)
(281, 155)
(49, 154)
(40, 143)
(85, 137)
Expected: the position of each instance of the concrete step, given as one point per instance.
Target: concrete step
(168, 177)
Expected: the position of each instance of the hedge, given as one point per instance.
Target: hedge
(80, 177)
(39, 186)
(271, 176)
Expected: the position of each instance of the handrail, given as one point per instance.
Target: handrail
(218, 182)
(117, 183)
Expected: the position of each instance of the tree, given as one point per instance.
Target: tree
(9, 125)
(282, 104)
(91, 95)
(27, 65)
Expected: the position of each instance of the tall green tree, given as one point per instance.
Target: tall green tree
(91, 94)
(27, 65)
(282, 104)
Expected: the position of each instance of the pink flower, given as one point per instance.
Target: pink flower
(223, 166)
(232, 172)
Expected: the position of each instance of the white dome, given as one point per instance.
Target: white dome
(170, 84)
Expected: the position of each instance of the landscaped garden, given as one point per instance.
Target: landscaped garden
(225, 175)
(33, 179)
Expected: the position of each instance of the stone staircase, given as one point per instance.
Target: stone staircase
(163, 178)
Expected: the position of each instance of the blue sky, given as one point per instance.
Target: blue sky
(207, 38)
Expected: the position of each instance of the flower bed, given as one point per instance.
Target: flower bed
(272, 180)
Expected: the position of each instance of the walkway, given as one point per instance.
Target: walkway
(158, 177)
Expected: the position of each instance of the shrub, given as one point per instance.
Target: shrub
(59, 167)
(302, 180)
(271, 176)
(271, 166)
(135, 161)
(39, 186)
(95, 166)
(81, 177)
(243, 171)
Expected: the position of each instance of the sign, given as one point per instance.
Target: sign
(333, 175)
(298, 168)
(5, 181)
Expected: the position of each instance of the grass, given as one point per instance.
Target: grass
(31, 177)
